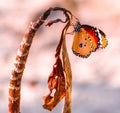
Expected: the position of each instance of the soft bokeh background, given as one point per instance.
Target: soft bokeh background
(96, 80)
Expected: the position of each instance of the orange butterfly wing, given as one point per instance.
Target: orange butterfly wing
(103, 41)
(81, 44)
(88, 39)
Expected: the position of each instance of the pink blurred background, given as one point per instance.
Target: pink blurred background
(96, 80)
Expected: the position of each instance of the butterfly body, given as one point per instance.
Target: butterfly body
(87, 39)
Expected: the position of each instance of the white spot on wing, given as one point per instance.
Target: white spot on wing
(99, 36)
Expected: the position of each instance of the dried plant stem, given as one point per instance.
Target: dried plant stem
(19, 65)
(21, 58)
(67, 68)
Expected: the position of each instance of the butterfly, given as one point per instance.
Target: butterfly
(87, 39)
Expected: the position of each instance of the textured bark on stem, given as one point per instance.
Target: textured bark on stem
(19, 65)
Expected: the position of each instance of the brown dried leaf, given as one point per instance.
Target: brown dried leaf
(56, 81)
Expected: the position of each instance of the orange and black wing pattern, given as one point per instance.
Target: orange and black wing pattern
(87, 39)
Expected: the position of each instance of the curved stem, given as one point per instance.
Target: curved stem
(19, 65)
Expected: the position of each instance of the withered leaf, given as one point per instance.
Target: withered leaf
(56, 81)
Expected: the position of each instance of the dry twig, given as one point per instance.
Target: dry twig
(21, 58)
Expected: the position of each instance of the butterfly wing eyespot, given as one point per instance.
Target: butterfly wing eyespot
(87, 39)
